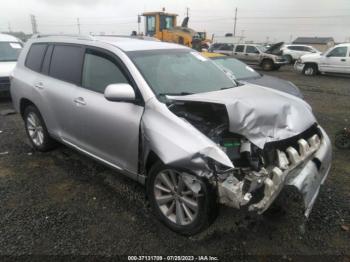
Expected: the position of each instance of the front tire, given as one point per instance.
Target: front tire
(36, 130)
(310, 69)
(267, 65)
(185, 208)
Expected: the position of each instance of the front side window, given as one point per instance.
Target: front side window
(338, 52)
(252, 50)
(150, 25)
(99, 71)
(9, 51)
(169, 22)
(179, 72)
(240, 48)
(261, 48)
(35, 56)
(66, 62)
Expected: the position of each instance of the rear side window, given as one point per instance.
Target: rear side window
(35, 56)
(100, 70)
(240, 48)
(66, 62)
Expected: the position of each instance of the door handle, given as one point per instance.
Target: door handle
(79, 101)
(245, 54)
(343, 60)
(39, 85)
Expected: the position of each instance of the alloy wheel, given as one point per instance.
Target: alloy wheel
(35, 129)
(175, 198)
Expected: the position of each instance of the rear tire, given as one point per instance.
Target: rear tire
(184, 217)
(310, 69)
(267, 65)
(36, 130)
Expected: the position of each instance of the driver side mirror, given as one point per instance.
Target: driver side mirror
(120, 92)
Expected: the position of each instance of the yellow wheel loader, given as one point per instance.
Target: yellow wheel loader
(162, 26)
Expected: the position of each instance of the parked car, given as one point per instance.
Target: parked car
(267, 58)
(213, 46)
(246, 74)
(171, 119)
(10, 47)
(335, 60)
(293, 52)
(222, 48)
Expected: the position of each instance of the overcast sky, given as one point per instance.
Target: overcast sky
(257, 19)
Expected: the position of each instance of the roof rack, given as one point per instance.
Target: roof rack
(82, 37)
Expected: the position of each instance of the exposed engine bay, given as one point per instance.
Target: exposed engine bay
(258, 174)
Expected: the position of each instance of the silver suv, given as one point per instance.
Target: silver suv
(252, 54)
(172, 120)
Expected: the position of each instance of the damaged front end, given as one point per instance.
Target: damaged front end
(303, 163)
(248, 153)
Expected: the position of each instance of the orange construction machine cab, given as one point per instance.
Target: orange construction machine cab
(163, 26)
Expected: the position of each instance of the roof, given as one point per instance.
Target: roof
(123, 43)
(130, 44)
(313, 40)
(156, 13)
(8, 38)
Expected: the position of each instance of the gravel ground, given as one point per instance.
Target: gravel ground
(63, 203)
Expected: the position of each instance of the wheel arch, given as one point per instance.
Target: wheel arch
(151, 159)
(312, 63)
(23, 104)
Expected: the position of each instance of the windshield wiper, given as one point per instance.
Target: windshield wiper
(224, 88)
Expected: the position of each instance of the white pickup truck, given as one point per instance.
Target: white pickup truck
(334, 60)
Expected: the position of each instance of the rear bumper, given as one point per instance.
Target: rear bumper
(4, 84)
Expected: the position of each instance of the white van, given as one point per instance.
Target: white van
(10, 47)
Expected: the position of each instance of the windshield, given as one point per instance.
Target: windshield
(9, 51)
(239, 70)
(179, 72)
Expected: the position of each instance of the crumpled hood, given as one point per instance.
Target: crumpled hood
(274, 48)
(260, 114)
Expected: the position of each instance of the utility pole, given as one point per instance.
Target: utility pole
(78, 25)
(34, 24)
(234, 26)
(10, 30)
